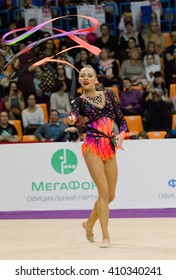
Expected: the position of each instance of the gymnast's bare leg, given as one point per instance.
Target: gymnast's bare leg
(104, 175)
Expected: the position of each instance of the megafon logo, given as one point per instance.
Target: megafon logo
(64, 161)
(172, 183)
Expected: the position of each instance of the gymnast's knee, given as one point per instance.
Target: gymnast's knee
(111, 197)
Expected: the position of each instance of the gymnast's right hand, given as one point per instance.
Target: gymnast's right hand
(71, 120)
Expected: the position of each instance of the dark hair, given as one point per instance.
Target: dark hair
(132, 38)
(53, 110)
(104, 24)
(158, 74)
(60, 64)
(57, 86)
(129, 23)
(12, 82)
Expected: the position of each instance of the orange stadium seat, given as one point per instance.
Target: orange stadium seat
(157, 134)
(134, 123)
(172, 90)
(18, 126)
(29, 138)
(167, 39)
(44, 108)
(174, 121)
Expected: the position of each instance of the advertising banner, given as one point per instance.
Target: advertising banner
(95, 11)
(53, 176)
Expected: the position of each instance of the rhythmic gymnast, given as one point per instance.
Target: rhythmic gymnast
(100, 111)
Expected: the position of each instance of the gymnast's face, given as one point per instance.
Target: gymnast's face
(87, 78)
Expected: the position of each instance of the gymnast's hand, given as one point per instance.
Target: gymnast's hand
(71, 120)
(119, 140)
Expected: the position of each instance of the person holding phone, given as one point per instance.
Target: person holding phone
(14, 101)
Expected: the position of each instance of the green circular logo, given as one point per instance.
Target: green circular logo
(64, 161)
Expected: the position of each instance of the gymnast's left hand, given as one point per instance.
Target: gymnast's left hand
(71, 120)
(119, 140)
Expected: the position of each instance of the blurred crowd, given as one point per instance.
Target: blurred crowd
(138, 63)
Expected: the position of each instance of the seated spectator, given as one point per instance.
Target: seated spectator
(59, 100)
(170, 70)
(108, 41)
(169, 53)
(107, 69)
(37, 79)
(5, 78)
(6, 51)
(126, 17)
(8, 132)
(53, 131)
(151, 68)
(29, 5)
(151, 49)
(61, 76)
(157, 37)
(130, 99)
(131, 44)
(49, 48)
(65, 56)
(32, 116)
(134, 69)
(157, 115)
(25, 75)
(14, 101)
(174, 105)
(158, 85)
(131, 33)
(10, 6)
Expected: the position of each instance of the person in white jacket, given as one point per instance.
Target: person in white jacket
(151, 68)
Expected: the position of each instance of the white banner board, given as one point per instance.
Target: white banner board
(53, 176)
(40, 15)
(95, 11)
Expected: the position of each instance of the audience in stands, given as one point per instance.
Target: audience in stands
(157, 115)
(130, 32)
(32, 116)
(126, 52)
(130, 99)
(156, 36)
(14, 101)
(37, 79)
(8, 132)
(59, 100)
(61, 76)
(169, 52)
(107, 41)
(24, 72)
(158, 84)
(170, 70)
(151, 67)
(134, 68)
(54, 130)
(151, 49)
(107, 69)
(150, 64)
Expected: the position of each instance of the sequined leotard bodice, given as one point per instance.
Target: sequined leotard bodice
(100, 124)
